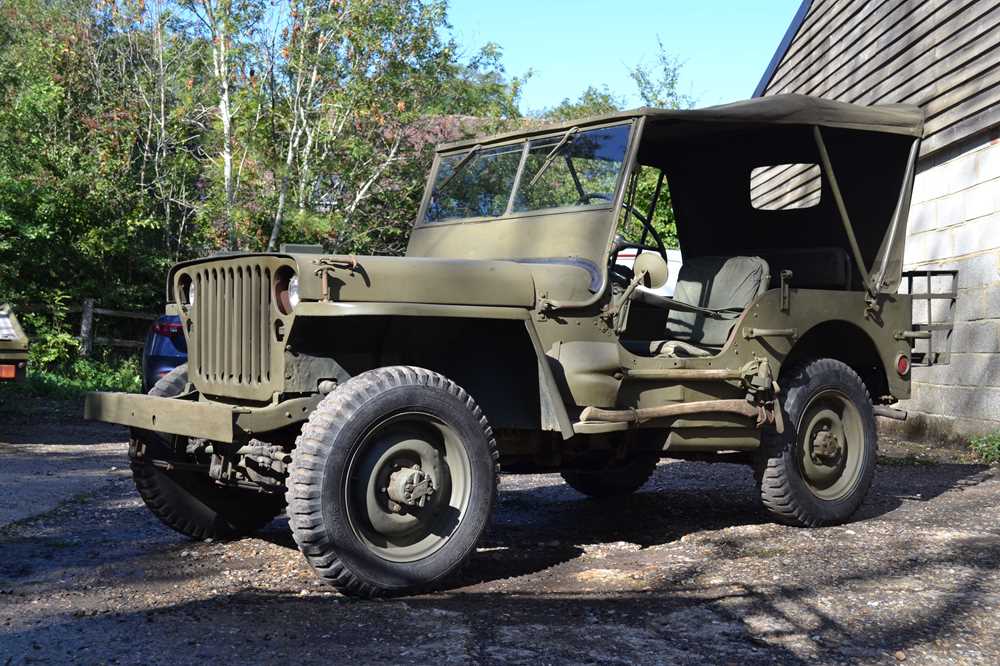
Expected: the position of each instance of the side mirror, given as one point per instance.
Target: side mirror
(654, 267)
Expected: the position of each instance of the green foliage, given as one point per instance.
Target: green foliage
(52, 343)
(657, 86)
(69, 208)
(110, 136)
(592, 102)
(987, 448)
(664, 221)
(76, 379)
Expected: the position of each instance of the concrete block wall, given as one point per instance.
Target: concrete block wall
(955, 224)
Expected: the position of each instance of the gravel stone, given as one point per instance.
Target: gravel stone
(688, 570)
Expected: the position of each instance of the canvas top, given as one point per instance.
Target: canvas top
(902, 119)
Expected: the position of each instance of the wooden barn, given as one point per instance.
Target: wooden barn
(943, 55)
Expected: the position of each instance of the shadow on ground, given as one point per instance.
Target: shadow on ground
(674, 622)
(709, 579)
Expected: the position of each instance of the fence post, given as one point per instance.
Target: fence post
(87, 327)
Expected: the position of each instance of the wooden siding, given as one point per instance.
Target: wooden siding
(943, 55)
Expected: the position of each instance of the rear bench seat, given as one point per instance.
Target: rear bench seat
(729, 284)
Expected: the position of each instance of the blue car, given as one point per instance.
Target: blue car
(165, 349)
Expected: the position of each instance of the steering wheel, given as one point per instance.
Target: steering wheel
(659, 248)
(620, 275)
(586, 197)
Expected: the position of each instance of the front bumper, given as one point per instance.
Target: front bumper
(196, 418)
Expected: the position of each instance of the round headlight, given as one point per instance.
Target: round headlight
(286, 290)
(293, 291)
(185, 287)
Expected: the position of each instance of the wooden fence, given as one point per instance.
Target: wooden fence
(89, 313)
(87, 338)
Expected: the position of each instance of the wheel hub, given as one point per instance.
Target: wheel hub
(831, 445)
(826, 447)
(409, 487)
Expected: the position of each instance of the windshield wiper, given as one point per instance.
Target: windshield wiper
(552, 155)
(458, 167)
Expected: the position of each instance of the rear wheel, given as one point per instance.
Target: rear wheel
(190, 502)
(819, 471)
(392, 482)
(613, 481)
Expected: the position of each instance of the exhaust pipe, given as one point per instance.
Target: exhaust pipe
(889, 412)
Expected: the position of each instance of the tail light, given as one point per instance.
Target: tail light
(167, 328)
(902, 365)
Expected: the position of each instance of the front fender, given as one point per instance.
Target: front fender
(552, 403)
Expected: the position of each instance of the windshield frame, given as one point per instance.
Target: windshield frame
(526, 138)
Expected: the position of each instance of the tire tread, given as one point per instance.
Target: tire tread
(306, 471)
(777, 493)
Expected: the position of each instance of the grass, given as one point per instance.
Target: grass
(987, 447)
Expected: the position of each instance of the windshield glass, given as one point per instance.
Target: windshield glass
(572, 168)
(479, 188)
(583, 171)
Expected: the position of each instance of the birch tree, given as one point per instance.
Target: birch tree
(229, 26)
(357, 75)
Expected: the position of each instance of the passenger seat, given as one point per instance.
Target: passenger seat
(726, 284)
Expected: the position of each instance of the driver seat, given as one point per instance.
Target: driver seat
(727, 284)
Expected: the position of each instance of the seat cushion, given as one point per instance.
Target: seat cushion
(716, 283)
(673, 348)
(680, 349)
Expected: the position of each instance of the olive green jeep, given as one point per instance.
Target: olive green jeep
(376, 399)
(13, 347)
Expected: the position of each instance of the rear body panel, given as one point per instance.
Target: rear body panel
(13, 347)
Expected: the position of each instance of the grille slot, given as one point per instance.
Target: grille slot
(231, 314)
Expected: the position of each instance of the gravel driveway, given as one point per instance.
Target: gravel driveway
(685, 571)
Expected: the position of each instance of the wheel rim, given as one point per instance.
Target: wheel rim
(831, 447)
(388, 504)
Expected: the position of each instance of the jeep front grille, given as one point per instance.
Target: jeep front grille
(231, 313)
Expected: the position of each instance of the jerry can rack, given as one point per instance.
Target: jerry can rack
(933, 315)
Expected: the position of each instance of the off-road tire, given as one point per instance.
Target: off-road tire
(784, 491)
(613, 481)
(189, 502)
(318, 485)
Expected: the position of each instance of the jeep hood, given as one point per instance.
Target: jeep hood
(415, 280)
(429, 280)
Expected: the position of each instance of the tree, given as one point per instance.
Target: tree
(592, 102)
(135, 133)
(657, 86)
(229, 27)
(369, 85)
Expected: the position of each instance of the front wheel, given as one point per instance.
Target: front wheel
(819, 471)
(190, 502)
(392, 482)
